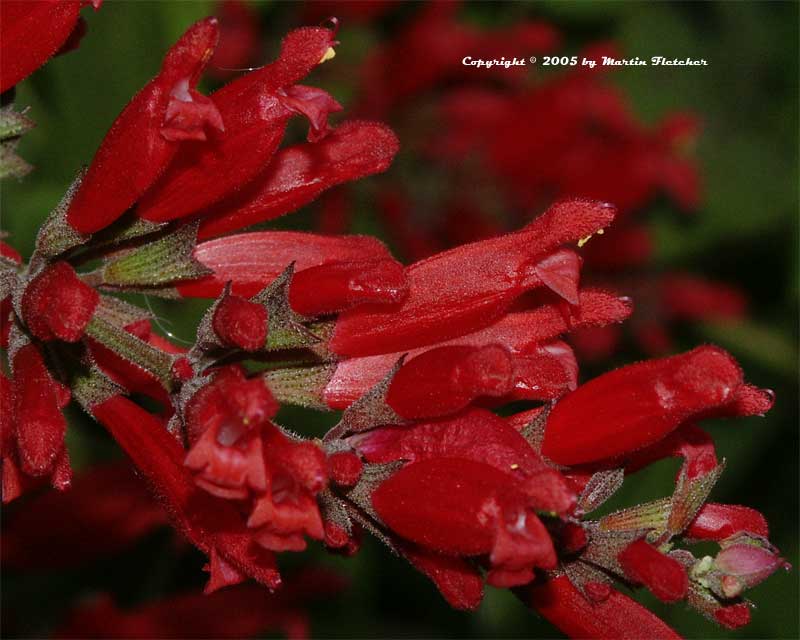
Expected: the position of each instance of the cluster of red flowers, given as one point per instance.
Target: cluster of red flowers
(415, 356)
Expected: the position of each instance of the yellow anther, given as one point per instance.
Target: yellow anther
(329, 54)
(583, 241)
(514, 466)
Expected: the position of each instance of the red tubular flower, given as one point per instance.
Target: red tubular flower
(214, 526)
(522, 333)
(460, 507)
(38, 402)
(299, 174)
(236, 453)
(476, 435)
(720, 521)
(57, 304)
(30, 33)
(227, 470)
(240, 323)
(250, 261)
(142, 141)
(616, 617)
(106, 510)
(467, 288)
(664, 576)
(637, 405)
(225, 422)
(255, 112)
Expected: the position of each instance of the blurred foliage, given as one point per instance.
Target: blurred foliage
(745, 233)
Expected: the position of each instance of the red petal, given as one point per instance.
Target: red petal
(221, 573)
(459, 582)
(475, 434)
(460, 507)
(720, 521)
(251, 261)
(447, 379)
(254, 125)
(299, 174)
(560, 272)
(664, 576)
(134, 152)
(637, 405)
(315, 104)
(188, 115)
(342, 285)
(31, 32)
(616, 618)
(40, 425)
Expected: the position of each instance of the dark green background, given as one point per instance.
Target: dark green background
(745, 233)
